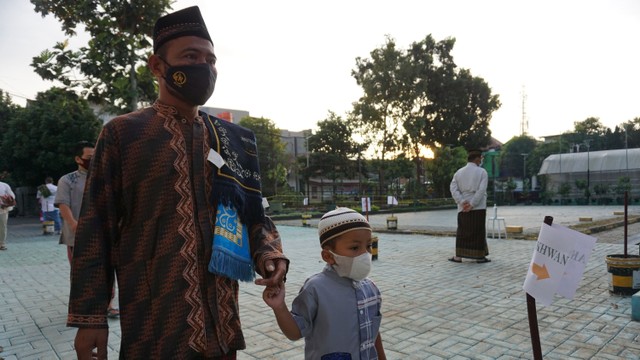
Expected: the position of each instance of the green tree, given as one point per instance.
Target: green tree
(444, 165)
(376, 113)
(271, 153)
(542, 151)
(333, 150)
(111, 66)
(419, 97)
(631, 134)
(508, 187)
(398, 168)
(447, 103)
(8, 111)
(511, 158)
(623, 185)
(591, 131)
(441, 103)
(581, 185)
(40, 141)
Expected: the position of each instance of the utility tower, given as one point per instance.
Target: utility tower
(524, 123)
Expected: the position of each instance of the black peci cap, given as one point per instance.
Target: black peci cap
(185, 22)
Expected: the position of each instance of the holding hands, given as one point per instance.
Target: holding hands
(273, 296)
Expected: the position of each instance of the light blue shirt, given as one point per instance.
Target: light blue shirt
(338, 315)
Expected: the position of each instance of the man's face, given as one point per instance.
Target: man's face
(183, 51)
(87, 154)
(187, 50)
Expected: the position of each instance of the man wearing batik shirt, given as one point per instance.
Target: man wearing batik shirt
(159, 179)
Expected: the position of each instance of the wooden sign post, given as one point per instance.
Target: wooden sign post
(533, 315)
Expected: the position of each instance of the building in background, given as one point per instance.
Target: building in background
(607, 174)
(295, 146)
(230, 115)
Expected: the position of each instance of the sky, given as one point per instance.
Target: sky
(552, 62)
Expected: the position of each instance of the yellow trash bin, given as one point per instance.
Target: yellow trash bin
(48, 227)
(374, 248)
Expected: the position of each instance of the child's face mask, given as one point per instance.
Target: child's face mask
(356, 268)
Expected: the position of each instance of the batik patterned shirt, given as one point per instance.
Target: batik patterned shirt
(146, 215)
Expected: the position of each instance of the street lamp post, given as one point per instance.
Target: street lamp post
(524, 168)
(587, 143)
(626, 148)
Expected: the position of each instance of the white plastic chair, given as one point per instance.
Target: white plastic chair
(502, 224)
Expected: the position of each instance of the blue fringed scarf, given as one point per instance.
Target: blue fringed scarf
(237, 192)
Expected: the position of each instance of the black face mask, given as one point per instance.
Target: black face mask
(195, 83)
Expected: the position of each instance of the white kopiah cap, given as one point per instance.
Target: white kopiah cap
(339, 221)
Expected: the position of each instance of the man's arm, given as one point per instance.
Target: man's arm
(67, 216)
(266, 247)
(481, 190)
(63, 201)
(455, 191)
(92, 273)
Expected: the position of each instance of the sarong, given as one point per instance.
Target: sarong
(471, 239)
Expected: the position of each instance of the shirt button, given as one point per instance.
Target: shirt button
(184, 121)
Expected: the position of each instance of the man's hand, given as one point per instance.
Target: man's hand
(275, 273)
(89, 339)
(7, 201)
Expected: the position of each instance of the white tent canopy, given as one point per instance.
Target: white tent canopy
(599, 161)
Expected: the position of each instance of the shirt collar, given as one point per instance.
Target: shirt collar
(172, 112)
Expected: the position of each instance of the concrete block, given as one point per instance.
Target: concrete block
(585, 219)
(635, 306)
(514, 229)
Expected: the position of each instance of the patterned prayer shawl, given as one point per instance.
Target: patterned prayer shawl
(238, 195)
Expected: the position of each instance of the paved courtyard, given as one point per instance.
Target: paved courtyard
(432, 308)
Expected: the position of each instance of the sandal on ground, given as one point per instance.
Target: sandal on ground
(3, 248)
(113, 313)
(485, 260)
(455, 260)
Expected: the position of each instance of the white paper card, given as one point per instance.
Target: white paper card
(366, 204)
(558, 262)
(215, 158)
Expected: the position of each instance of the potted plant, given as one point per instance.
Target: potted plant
(563, 191)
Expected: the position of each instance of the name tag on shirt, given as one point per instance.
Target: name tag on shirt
(215, 158)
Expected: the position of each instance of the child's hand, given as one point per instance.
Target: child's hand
(273, 296)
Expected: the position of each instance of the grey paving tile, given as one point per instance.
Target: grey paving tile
(433, 309)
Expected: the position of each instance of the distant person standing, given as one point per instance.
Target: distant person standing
(69, 200)
(69, 194)
(469, 190)
(7, 202)
(46, 197)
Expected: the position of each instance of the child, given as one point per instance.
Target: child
(338, 310)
